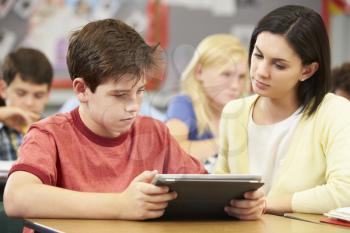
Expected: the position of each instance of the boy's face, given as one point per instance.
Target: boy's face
(113, 107)
(27, 95)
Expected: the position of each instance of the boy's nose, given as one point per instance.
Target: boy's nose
(29, 101)
(132, 106)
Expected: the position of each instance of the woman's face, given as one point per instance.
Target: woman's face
(276, 69)
(224, 86)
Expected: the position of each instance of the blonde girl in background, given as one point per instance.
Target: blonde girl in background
(216, 74)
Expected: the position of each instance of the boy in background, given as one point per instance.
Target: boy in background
(98, 161)
(25, 86)
(341, 80)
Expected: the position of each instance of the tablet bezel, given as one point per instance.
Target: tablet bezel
(205, 195)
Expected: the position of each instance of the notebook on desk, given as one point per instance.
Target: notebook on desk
(205, 195)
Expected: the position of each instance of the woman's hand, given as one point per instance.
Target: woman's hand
(250, 208)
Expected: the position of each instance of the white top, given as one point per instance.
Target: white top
(268, 145)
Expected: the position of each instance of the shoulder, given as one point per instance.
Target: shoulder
(333, 105)
(149, 124)
(54, 122)
(333, 113)
(181, 99)
(150, 131)
(242, 103)
(181, 107)
(239, 107)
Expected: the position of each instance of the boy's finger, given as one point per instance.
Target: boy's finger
(146, 177)
(154, 214)
(156, 206)
(34, 116)
(150, 189)
(161, 197)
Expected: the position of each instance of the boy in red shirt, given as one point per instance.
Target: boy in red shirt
(98, 161)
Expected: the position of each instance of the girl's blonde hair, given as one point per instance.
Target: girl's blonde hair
(213, 51)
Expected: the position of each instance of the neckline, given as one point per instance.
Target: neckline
(103, 141)
(294, 115)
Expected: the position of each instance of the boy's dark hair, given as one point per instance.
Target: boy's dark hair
(341, 78)
(31, 64)
(107, 49)
(305, 31)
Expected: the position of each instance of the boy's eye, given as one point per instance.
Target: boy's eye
(39, 96)
(20, 93)
(141, 91)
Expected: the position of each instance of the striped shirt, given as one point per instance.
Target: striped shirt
(10, 140)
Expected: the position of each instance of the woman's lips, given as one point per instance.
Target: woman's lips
(261, 85)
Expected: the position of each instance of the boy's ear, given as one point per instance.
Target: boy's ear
(80, 88)
(3, 87)
(308, 71)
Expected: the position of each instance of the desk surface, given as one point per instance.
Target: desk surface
(268, 224)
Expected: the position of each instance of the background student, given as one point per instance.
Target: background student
(25, 87)
(216, 74)
(103, 144)
(341, 80)
(293, 132)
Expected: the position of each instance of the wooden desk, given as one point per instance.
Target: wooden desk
(268, 224)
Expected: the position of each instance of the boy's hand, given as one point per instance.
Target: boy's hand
(251, 208)
(143, 200)
(17, 118)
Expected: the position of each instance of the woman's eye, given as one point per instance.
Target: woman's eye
(280, 67)
(257, 55)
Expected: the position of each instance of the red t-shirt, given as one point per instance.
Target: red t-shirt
(63, 152)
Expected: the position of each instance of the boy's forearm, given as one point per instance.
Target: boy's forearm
(43, 201)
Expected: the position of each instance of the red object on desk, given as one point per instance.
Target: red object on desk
(336, 222)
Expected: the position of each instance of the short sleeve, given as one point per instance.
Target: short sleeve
(181, 108)
(38, 155)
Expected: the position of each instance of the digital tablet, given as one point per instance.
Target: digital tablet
(205, 195)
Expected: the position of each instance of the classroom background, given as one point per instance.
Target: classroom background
(178, 25)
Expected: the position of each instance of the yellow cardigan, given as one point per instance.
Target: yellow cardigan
(316, 169)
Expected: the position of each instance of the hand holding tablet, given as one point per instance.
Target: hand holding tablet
(205, 195)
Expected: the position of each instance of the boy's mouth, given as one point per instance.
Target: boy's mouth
(128, 119)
